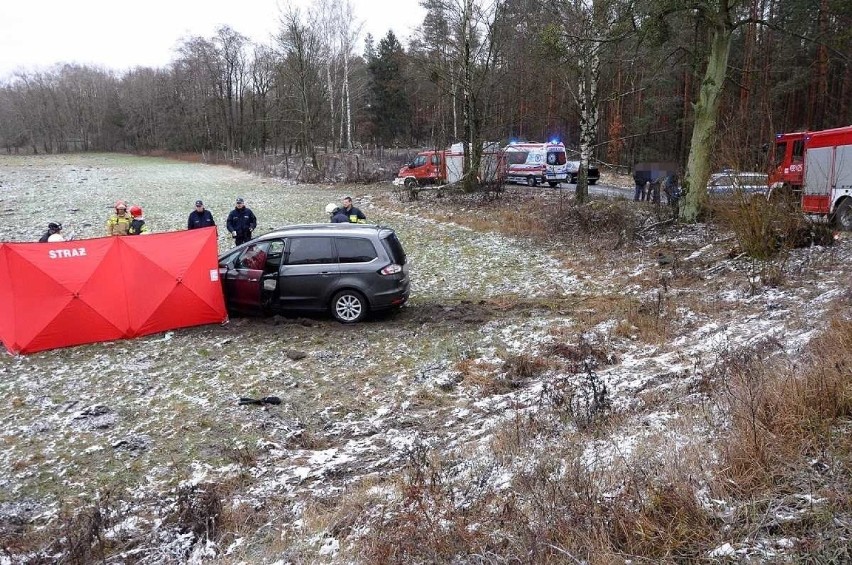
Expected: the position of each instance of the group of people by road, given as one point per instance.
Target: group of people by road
(241, 221)
(647, 189)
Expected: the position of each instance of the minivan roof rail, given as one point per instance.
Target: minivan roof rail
(327, 225)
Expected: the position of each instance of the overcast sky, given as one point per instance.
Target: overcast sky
(122, 34)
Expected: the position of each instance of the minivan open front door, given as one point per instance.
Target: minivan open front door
(243, 278)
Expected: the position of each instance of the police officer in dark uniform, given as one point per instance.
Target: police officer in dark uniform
(241, 222)
(199, 218)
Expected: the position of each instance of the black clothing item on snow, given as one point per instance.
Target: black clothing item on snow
(199, 220)
(353, 211)
(339, 217)
(243, 222)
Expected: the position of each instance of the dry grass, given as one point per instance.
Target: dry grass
(789, 432)
(500, 377)
(785, 414)
(557, 511)
(765, 229)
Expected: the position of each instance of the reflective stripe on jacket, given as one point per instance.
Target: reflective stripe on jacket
(118, 225)
(137, 227)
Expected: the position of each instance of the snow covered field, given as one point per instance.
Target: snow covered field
(152, 419)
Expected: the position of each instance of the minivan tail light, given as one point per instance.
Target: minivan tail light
(391, 269)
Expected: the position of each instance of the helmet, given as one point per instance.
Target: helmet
(120, 204)
(54, 226)
(330, 208)
(135, 211)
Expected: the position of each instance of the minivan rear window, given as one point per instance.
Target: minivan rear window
(310, 251)
(354, 250)
(394, 249)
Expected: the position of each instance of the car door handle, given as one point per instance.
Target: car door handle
(253, 280)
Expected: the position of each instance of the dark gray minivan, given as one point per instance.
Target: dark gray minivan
(347, 269)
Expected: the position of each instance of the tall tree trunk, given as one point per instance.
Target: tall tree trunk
(706, 116)
(453, 88)
(589, 114)
(819, 87)
(346, 101)
(468, 102)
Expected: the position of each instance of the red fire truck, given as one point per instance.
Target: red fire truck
(816, 165)
(439, 167)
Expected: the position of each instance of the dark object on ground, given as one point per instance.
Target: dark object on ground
(259, 401)
(664, 259)
(812, 234)
(294, 355)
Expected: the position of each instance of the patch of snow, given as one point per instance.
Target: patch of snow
(330, 547)
(724, 550)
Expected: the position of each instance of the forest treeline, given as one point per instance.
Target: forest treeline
(627, 72)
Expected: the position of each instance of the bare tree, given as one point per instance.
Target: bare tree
(477, 40)
(301, 67)
(262, 69)
(231, 80)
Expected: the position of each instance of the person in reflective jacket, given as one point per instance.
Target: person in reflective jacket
(241, 222)
(355, 215)
(137, 225)
(119, 223)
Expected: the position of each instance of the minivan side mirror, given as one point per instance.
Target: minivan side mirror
(410, 165)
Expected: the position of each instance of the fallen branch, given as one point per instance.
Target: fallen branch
(646, 228)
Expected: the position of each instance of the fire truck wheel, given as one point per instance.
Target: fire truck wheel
(410, 183)
(532, 181)
(843, 215)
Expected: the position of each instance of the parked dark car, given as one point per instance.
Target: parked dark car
(574, 171)
(347, 269)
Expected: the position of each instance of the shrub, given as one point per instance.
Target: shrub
(765, 228)
(782, 414)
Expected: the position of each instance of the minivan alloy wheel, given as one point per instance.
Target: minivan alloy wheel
(348, 306)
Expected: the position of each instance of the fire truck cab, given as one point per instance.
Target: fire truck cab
(439, 167)
(816, 167)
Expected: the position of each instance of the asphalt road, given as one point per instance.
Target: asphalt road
(609, 191)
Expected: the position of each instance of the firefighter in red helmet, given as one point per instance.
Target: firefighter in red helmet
(137, 224)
